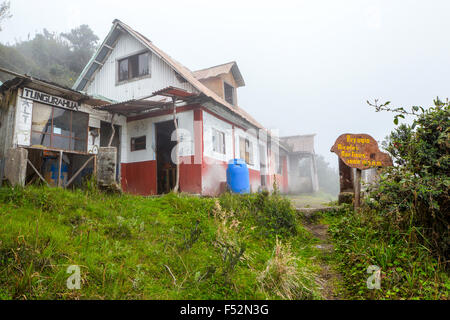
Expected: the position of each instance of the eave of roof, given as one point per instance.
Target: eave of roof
(20, 80)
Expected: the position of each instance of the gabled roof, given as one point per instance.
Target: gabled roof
(219, 70)
(107, 46)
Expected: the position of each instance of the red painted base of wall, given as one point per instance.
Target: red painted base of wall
(190, 176)
(208, 178)
(139, 177)
(255, 180)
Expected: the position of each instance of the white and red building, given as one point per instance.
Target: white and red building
(143, 89)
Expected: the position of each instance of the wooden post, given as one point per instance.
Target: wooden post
(357, 188)
(177, 178)
(345, 177)
(60, 168)
(346, 193)
(95, 166)
(113, 130)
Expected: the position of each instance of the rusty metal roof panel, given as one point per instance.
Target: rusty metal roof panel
(175, 92)
(134, 107)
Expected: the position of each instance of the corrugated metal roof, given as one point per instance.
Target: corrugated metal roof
(178, 67)
(221, 69)
(20, 80)
(98, 58)
(134, 107)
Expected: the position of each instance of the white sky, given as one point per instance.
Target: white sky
(309, 65)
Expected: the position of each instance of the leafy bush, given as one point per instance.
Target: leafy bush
(274, 213)
(408, 271)
(403, 225)
(413, 196)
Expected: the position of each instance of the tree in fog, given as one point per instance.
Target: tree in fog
(51, 56)
(4, 12)
(82, 42)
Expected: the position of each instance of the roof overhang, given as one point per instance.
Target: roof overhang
(135, 107)
(20, 81)
(145, 105)
(99, 57)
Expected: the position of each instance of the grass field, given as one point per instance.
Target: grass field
(169, 247)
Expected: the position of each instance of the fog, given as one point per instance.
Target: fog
(309, 66)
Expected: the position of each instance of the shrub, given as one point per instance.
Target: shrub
(273, 213)
(284, 277)
(413, 196)
(276, 214)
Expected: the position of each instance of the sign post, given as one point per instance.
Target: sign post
(359, 151)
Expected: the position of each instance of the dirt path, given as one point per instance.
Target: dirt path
(329, 277)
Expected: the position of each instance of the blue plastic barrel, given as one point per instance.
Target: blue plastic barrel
(237, 176)
(54, 169)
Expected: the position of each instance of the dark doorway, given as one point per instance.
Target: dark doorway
(166, 169)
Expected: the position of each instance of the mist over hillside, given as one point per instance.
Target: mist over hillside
(51, 56)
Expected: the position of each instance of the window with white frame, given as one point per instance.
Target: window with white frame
(135, 66)
(246, 150)
(218, 139)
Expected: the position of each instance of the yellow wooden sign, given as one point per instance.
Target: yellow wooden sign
(360, 151)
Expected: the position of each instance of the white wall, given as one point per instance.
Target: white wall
(210, 122)
(146, 127)
(7, 123)
(252, 138)
(162, 75)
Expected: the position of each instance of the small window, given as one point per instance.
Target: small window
(246, 150)
(134, 66)
(229, 93)
(218, 141)
(139, 143)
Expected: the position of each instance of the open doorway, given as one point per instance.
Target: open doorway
(166, 168)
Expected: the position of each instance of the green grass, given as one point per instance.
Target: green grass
(132, 247)
(408, 270)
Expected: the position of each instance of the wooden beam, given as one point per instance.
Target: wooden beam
(177, 178)
(40, 176)
(95, 166)
(60, 168)
(78, 172)
(357, 188)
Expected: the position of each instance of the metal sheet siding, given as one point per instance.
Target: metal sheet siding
(162, 75)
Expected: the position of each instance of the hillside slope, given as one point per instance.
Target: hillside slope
(170, 247)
